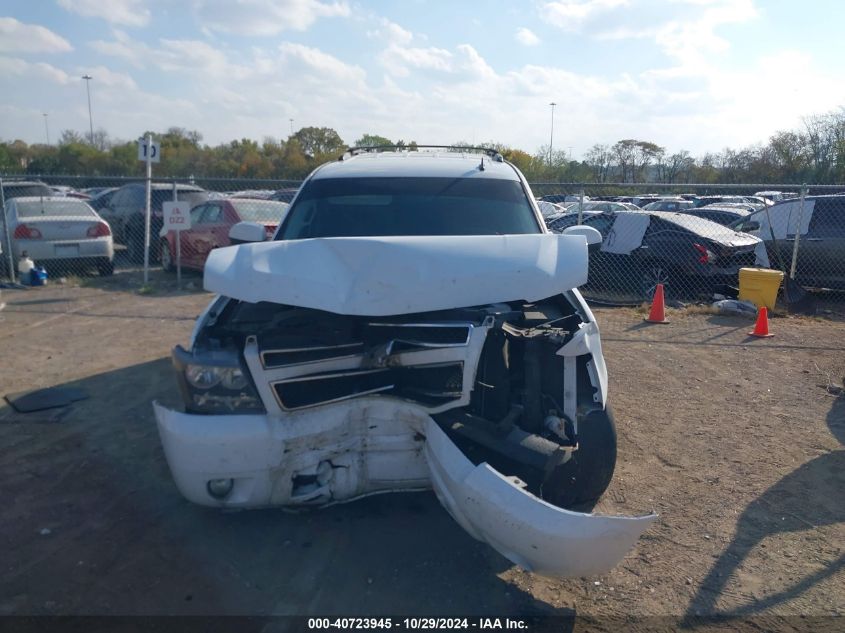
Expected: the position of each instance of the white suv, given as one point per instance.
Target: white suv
(412, 325)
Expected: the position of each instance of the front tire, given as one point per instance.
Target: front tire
(579, 483)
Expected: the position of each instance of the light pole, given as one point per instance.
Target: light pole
(552, 135)
(291, 126)
(88, 79)
(46, 127)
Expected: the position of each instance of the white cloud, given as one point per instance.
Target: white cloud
(569, 15)
(391, 32)
(265, 17)
(123, 46)
(128, 12)
(17, 37)
(526, 37)
(13, 66)
(324, 65)
(102, 76)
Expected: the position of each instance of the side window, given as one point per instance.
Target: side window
(196, 213)
(117, 199)
(135, 198)
(212, 215)
(828, 219)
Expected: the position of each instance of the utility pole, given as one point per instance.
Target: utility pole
(88, 79)
(552, 135)
(46, 127)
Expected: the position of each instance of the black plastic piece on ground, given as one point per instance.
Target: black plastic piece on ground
(40, 399)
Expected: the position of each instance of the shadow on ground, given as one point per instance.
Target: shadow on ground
(94, 525)
(811, 496)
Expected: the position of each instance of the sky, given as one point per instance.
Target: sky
(699, 75)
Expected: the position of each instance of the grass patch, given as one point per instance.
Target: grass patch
(147, 289)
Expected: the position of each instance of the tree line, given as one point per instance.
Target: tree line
(815, 153)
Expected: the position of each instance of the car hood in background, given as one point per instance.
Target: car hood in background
(380, 276)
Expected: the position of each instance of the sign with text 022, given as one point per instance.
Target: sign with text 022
(177, 216)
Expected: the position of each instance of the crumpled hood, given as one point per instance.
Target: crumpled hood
(381, 276)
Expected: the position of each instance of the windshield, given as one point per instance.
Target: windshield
(67, 207)
(355, 207)
(260, 210)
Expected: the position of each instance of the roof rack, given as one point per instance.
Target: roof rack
(354, 151)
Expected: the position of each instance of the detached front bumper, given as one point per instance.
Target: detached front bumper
(367, 446)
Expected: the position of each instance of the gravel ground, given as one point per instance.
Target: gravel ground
(736, 442)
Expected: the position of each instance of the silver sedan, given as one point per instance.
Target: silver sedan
(60, 229)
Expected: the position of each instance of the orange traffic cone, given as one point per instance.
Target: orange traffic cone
(658, 307)
(761, 329)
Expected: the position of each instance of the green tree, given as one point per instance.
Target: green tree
(317, 142)
(372, 140)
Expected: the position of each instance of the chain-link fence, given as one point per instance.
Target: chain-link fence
(693, 239)
(79, 226)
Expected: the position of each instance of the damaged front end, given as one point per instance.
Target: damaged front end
(500, 407)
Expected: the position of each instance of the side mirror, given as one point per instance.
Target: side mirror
(592, 234)
(747, 227)
(244, 232)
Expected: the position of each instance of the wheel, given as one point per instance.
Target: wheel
(167, 263)
(105, 267)
(579, 483)
(654, 273)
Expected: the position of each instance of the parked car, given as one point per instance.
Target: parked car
(411, 325)
(820, 228)
(284, 195)
(126, 209)
(59, 230)
(594, 206)
(210, 225)
(688, 255)
(548, 209)
(703, 201)
(561, 198)
(668, 204)
(724, 214)
(101, 198)
(25, 188)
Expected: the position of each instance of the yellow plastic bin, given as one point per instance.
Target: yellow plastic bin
(760, 286)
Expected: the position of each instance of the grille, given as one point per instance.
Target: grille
(427, 384)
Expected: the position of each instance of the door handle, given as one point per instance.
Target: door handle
(814, 239)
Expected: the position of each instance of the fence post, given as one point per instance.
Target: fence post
(148, 193)
(581, 205)
(7, 236)
(798, 232)
(178, 245)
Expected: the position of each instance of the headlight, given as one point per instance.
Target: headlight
(208, 376)
(233, 378)
(215, 383)
(204, 376)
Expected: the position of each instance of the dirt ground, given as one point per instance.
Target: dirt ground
(737, 443)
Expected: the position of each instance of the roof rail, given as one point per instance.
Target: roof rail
(489, 151)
